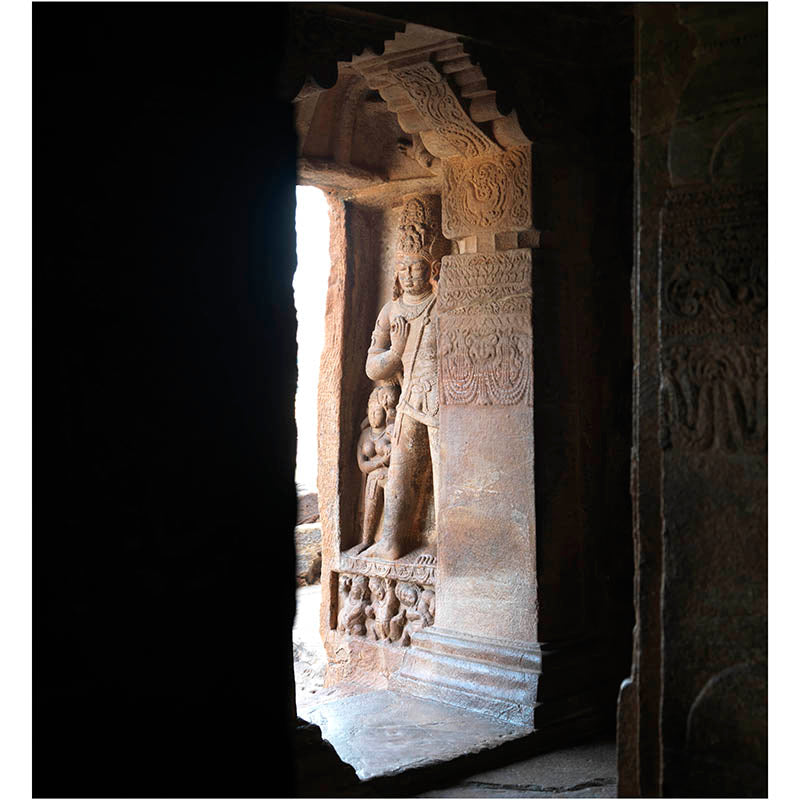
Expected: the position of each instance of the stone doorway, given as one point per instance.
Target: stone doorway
(494, 595)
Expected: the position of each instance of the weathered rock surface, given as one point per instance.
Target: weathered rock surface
(307, 508)
(308, 546)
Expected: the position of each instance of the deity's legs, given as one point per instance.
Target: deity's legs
(373, 506)
(406, 484)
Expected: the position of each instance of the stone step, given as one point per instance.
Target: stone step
(450, 53)
(456, 65)
(484, 108)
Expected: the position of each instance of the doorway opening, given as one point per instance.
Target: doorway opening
(387, 192)
(310, 289)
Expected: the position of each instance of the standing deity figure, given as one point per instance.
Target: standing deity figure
(374, 452)
(404, 348)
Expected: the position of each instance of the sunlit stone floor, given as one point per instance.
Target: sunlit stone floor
(382, 733)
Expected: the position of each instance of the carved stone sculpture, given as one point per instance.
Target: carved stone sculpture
(374, 451)
(485, 338)
(353, 616)
(384, 609)
(404, 348)
(384, 606)
(416, 612)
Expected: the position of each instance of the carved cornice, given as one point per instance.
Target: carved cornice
(441, 95)
(319, 37)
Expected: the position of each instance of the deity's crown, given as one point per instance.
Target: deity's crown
(420, 228)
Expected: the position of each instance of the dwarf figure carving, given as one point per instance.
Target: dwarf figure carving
(384, 606)
(417, 612)
(426, 608)
(345, 584)
(353, 617)
(374, 453)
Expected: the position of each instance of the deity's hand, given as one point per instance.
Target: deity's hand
(398, 333)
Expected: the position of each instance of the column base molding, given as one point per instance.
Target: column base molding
(529, 684)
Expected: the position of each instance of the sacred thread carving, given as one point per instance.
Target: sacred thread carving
(485, 334)
(488, 193)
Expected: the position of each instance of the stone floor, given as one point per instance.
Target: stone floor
(383, 733)
(309, 653)
(588, 770)
(403, 746)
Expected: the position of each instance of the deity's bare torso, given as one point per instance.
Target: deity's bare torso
(420, 384)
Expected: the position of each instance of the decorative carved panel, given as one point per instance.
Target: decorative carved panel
(714, 318)
(715, 396)
(435, 101)
(384, 609)
(714, 256)
(489, 193)
(423, 571)
(485, 335)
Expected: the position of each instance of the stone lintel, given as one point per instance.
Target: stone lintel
(333, 175)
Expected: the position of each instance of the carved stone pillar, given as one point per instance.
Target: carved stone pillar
(482, 652)
(494, 571)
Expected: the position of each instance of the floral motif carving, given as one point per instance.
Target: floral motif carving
(715, 396)
(485, 335)
(714, 320)
(714, 253)
(434, 100)
(487, 193)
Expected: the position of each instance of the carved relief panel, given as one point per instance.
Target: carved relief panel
(441, 112)
(714, 318)
(384, 609)
(485, 332)
(487, 193)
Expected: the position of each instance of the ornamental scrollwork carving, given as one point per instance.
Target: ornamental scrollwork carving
(435, 101)
(714, 253)
(491, 193)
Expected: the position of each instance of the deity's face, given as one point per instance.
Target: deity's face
(414, 274)
(376, 414)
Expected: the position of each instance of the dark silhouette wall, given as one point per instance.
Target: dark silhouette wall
(164, 375)
(693, 718)
(165, 370)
